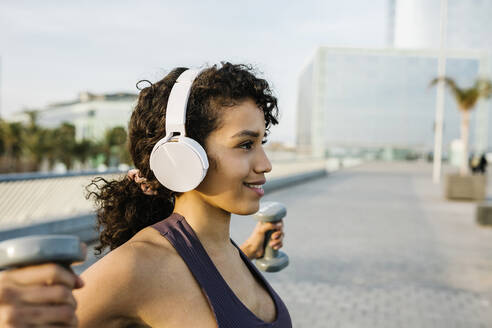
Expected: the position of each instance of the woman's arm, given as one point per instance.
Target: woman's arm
(111, 293)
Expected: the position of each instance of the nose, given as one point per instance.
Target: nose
(262, 163)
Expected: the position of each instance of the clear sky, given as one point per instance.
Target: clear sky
(51, 50)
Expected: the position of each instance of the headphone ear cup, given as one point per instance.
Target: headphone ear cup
(179, 164)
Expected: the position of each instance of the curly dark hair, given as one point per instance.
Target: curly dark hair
(122, 208)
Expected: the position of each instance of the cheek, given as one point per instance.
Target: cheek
(224, 172)
(236, 167)
(232, 168)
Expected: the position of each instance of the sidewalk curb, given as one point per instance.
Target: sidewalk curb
(286, 181)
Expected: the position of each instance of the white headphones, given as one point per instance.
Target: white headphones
(179, 163)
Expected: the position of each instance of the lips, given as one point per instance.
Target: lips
(256, 186)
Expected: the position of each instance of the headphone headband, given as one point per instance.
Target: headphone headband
(178, 103)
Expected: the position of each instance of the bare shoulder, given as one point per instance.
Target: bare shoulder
(125, 281)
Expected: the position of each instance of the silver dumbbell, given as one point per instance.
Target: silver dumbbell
(37, 249)
(272, 260)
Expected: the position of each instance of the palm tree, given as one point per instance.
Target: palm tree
(83, 150)
(14, 141)
(36, 140)
(3, 146)
(64, 138)
(51, 148)
(3, 137)
(466, 100)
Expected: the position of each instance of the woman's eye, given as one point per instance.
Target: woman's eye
(249, 144)
(246, 145)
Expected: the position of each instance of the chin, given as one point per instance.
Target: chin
(247, 210)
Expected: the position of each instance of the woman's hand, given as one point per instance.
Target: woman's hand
(253, 246)
(38, 296)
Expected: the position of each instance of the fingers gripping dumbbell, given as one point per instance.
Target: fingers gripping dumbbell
(272, 260)
(37, 249)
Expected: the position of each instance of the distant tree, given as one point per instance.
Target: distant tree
(3, 137)
(29, 143)
(114, 145)
(63, 138)
(125, 156)
(50, 151)
(14, 139)
(83, 150)
(466, 100)
(116, 136)
(36, 141)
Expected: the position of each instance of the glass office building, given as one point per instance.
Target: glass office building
(377, 98)
(381, 97)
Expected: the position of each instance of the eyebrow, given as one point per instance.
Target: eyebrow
(247, 133)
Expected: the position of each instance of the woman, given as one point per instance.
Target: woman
(172, 262)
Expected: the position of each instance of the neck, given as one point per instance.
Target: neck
(210, 223)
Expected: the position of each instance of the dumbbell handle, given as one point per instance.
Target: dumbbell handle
(273, 260)
(269, 251)
(272, 212)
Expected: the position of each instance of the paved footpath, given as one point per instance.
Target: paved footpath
(378, 246)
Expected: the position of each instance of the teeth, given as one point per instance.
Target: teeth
(254, 186)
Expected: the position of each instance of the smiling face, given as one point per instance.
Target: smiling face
(238, 160)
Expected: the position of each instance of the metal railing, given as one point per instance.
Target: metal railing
(55, 203)
(27, 199)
